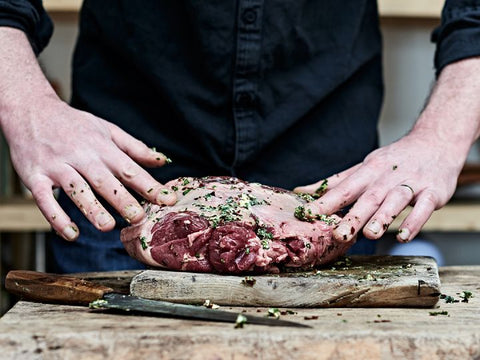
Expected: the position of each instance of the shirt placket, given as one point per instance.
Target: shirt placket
(245, 78)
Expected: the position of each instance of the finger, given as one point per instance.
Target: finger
(358, 215)
(341, 195)
(329, 182)
(397, 200)
(136, 149)
(115, 193)
(425, 205)
(81, 194)
(51, 210)
(136, 178)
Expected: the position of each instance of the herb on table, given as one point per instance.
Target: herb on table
(210, 305)
(466, 295)
(274, 312)
(98, 304)
(241, 320)
(448, 299)
(436, 313)
(249, 281)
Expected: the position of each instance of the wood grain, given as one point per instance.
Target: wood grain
(42, 331)
(360, 281)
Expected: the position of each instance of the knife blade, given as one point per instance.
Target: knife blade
(53, 288)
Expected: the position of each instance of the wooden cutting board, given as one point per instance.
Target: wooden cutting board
(355, 281)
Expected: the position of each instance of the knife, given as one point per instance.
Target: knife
(53, 288)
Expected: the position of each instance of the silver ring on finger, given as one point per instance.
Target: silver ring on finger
(409, 187)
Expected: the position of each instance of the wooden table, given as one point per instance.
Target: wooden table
(37, 331)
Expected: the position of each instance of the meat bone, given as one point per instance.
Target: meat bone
(53, 288)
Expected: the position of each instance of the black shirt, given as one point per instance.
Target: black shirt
(276, 91)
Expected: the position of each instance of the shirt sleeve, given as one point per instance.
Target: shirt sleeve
(29, 16)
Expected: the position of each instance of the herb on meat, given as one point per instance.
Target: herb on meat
(174, 188)
(307, 197)
(306, 215)
(186, 191)
(143, 241)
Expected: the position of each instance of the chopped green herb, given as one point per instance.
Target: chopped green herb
(143, 241)
(165, 191)
(466, 295)
(448, 299)
(98, 304)
(209, 195)
(247, 250)
(307, 197)
(210, 305)
(435, 313)
(302, 214)
(265, 244)
(186, 191)
(249, 281)
(323, 187)
(274, 312)
(185, 181)
(174, 188)
(168, 160)
(306, 215)
(241, 320)
(262, 233)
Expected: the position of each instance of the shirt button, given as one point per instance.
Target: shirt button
(245, 99)
(249, 16)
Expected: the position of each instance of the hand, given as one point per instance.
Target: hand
(54, 145)
(417, 170)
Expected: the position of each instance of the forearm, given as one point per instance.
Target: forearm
(452, 114)
(22, 80)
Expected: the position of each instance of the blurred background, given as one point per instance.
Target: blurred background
(451, 235)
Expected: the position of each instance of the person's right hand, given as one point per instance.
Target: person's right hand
(54, 145)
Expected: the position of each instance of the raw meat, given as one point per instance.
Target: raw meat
(225, 225)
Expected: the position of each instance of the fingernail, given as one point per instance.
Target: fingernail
(166, 197)
(131, 211)
(374, 227)
(103, 219)
(161, 156)
(70, 232)
(345, 232)
(403, 234)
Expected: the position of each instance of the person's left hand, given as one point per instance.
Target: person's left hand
(417, 170)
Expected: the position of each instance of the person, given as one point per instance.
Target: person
(283, 93)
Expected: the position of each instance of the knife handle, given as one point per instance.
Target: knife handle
(53, 288)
